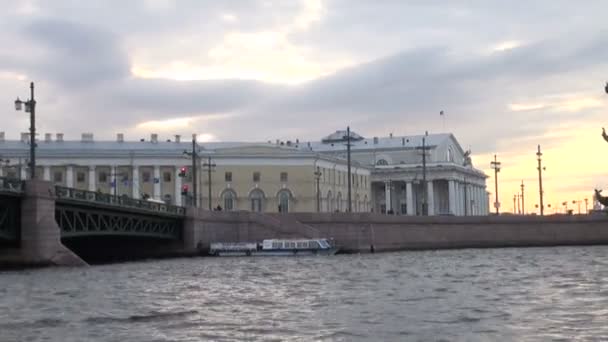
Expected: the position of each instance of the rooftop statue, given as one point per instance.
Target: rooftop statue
(604, 135)
(603, 200)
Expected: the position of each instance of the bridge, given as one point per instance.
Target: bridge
(80, 215)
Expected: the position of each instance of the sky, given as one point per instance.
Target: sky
(508, 75)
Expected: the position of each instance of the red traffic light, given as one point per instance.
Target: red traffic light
(182, 171)
(184, 189)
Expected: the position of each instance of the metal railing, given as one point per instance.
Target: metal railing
(119, 201)
(11, 185)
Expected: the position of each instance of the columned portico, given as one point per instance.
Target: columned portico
(452, 197)
(387, 194)
(409, 196)
(430, 197)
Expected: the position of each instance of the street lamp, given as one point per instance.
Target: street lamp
(209, 165)
(496, 166)
(30, 106)
(523, 206)
(540, 179)
(348, 144)
(579, 205)
(318, 177)
(586, 203)
(194, 155)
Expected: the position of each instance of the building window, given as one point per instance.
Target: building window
(228, 176)
(257, 200)
(450, 154)
(146, 176)
(284, 201)
(229, 198)
(256, 177)
(103, 177)
(80, 177)
(382, 162)
(283, 177)
(166, 176)
(58, 177)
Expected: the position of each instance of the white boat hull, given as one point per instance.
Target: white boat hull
(294, 252)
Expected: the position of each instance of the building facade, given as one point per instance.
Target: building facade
(400, 171)
(388, 174)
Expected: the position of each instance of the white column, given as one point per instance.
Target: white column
(156, 182)
(135, 182)
(430, 198)
(1, 171)
(387, 196)
(92, 178)
(114, 180)
(23, 172)
(69, 176)
(452, 197)
(478, 201)
(46, 173)
(178, 187)
(409, 198)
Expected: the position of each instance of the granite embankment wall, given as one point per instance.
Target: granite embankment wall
(368, 232)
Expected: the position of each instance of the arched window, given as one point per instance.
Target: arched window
(450, 154)
(356, 208)
(329, 202)
(365, 204)
(256, 198)
(381, 162)
(284, 197)
(229, 199)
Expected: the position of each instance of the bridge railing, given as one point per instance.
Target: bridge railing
(11, 185)
(121, 201)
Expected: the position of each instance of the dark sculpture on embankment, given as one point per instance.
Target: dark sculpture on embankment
(598, 193)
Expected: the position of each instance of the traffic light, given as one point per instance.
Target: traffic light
(185, 190)
(182, 171)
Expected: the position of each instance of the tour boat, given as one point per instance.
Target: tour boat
(274, 247)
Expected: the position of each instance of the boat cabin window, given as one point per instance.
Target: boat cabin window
(313, 244)
(323, 244)
(277, 244)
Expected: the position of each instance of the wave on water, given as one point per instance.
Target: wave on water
(153, 316)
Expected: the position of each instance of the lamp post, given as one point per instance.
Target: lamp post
(496, 166)
(578, 202)
(425, 206)
(209, 165)
(514, 205)
(540, 179)
(348, 144)
(586, 204)
(194, 155)
(30, 106)
(523, 206)
(318, 177)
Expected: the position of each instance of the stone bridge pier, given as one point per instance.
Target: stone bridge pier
(40, 243)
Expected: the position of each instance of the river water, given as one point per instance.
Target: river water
(531, 294)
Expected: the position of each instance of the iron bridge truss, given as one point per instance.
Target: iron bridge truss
(77, 221)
